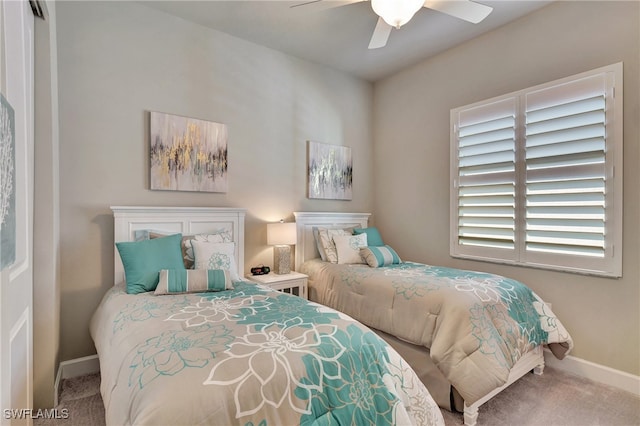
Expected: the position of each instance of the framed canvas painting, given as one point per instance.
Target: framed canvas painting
(187, 154)
(7, 184)
(330, 170)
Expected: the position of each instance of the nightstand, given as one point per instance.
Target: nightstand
(293, 283)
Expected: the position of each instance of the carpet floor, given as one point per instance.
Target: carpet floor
(554, 399)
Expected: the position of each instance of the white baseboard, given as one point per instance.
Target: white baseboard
(74, 368)
(596, 372)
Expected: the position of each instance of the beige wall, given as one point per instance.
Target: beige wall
(411, 156)
(119, 60)
(46, 222)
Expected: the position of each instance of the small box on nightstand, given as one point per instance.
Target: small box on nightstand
(293, 283)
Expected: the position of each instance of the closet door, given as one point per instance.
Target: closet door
(16, 211)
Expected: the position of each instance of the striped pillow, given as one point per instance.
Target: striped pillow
(176, 281)
(379, 256)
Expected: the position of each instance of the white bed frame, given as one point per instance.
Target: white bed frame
(185, 220)
(306, 249)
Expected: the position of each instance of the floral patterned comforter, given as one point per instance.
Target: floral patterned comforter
(476, 325)
(248, 356)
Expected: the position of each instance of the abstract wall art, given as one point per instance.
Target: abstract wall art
(7, 184)
(187, 154)
(330, 171)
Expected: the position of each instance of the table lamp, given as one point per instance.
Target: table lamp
(282, 236)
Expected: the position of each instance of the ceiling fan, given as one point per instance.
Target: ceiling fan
(396, 13)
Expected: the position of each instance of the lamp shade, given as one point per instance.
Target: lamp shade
(396, 12)
(281, 233)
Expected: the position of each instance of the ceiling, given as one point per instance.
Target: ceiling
(338, 36)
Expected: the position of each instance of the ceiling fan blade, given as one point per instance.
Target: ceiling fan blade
(380, 34)
(464, 9)
(324, 4)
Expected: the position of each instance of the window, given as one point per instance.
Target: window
(537, 176)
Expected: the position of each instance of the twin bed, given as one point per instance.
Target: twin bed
(227, 351)
(221, 350)
(468, 335)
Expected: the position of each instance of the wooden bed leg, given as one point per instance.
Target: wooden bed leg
(533, 360)
(470, 415)
(538, 369)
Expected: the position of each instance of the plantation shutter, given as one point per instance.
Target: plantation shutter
(486, 176)
(537, 176)
(565, 168)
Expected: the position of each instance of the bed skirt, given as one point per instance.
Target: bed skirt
(418, 358)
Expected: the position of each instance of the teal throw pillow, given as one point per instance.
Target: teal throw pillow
(143, 260)
(373, 236)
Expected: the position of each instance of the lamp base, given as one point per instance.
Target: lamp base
(282, 260)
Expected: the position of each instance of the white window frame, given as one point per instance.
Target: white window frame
(610, 265)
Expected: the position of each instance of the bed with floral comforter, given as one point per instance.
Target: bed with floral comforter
(476, 325)
(248, 356)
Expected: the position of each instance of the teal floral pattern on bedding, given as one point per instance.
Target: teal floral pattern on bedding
(265, 354)
(249, 356)
(144, 309)
(356, 392)
(477, 325)
(173, 351)
(414, 280)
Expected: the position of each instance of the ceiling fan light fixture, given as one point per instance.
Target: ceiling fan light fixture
(396, 12)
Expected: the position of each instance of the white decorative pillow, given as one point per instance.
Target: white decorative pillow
(348, 247)
(220, 236)
(326, 239)
(215, 256)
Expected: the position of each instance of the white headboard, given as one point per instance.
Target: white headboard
(185, 220)
(305, 221)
